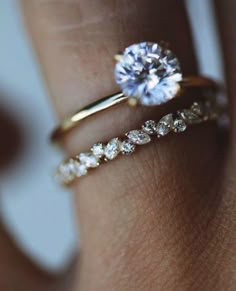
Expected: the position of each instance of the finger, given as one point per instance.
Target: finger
(134, 210)
(68, 40)
(226, 13)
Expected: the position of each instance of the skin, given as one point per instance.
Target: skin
(164, 218)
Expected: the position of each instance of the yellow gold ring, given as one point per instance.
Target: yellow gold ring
(148, 74)
(81, 164)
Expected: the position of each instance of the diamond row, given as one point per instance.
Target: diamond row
(177, 122)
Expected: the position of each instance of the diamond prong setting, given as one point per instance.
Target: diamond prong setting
(177, 122)
(138, 137)
(118, 57)
(149, 73)
(127, 147)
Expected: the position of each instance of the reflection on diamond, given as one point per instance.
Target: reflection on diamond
(138, 137)
(66, 172)
(89, 160)
(112, 149)
(149, 73)
(150, 127)
(80, 169)
(127, 147)
(189, 116)
(164, 126)
(98, 149)
(179, 125)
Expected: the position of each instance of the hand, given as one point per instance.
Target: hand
(162, 219)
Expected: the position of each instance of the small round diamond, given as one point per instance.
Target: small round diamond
(127, 147)
(80, 169)
(179, 125)
(89, 160)
(197, 108)
(98, 150)
(150, 127)
(66, 172)
(149, 73)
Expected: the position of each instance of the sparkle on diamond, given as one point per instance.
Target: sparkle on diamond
(149, 73)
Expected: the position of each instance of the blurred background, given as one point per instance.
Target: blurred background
(35, 210)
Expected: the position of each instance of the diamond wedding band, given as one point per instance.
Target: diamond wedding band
(78, 166)
(148, 74)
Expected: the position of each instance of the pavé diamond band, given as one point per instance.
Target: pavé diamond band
(148, 74)
(78, 166)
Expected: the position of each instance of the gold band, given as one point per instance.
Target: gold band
(72, 121)
(177, 122)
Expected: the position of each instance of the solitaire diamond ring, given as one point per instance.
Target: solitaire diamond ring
(148, 74)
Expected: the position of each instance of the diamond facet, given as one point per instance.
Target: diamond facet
(66, 172)
(189, 116)
(88, 160)
(149, 73)
(112, 149)
(198, 108)
(150, 127)
(165, 125)
(179, 125)
(138, 137)
(127, 147)
(98, 150)
(80, 169)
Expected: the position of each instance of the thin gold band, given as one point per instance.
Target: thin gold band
(72, 121)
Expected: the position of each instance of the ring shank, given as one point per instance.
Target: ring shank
(72, 121)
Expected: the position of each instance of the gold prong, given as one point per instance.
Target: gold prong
(118, 57)
(133, 101)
